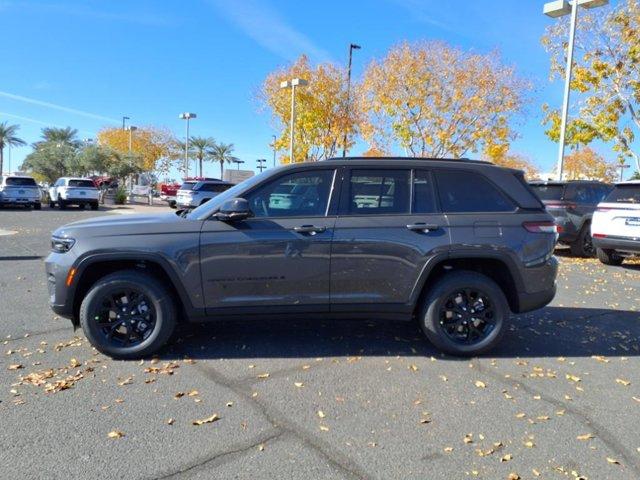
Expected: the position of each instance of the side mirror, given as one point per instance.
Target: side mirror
(234, 210)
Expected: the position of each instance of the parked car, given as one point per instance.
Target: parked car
(74, 191)
(201, 192)
(457, 245)
(168, 192)
(20, 190)
(616, 224)
(572, 204)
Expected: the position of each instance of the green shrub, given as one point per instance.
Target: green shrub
(121, 196)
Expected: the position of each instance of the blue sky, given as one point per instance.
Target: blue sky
(85, 64)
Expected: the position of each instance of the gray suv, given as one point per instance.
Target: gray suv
(454, 244)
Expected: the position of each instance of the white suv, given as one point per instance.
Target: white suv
(20, 190)
(200, 192)
(615, 227)
(74, 191)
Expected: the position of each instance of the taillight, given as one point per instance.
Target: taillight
(599, 235)
(540, 227)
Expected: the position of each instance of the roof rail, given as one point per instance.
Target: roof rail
(426, 159)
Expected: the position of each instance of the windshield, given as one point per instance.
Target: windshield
(21, 181)
(187, 186)
(624, 194)
(548, 192)
(206, 209)
(81, 183)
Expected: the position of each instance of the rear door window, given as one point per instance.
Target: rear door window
(624, 194)
(378, 192)
(21, 181)
(548, 192)
(466, 192)
(423, 193)
(81, 183)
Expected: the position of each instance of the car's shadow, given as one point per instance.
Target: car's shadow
(550, 332)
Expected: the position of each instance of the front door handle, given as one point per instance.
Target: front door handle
(310, 229)
(422, 227)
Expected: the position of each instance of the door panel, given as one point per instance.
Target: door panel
(265, 262)
(280, 257)
(379, 246)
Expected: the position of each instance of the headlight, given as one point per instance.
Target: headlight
(61, 245)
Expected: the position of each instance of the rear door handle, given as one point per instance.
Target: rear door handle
(310, 229)
(422, 227)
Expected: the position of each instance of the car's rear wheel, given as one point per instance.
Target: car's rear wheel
(609, 257)
(583, 246)
(62, 204)
(37, 206)
(94, 206)
(464, 313)
(52, 204)
(128, 314)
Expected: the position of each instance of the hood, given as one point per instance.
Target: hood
(118, 225)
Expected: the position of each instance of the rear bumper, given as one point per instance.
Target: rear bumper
(539, 286)
(621, 244)
(19, 200)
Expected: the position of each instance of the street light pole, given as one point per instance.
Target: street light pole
(352, 47)
(186, 116)
(293, 83)
(131, 129)
(274, 150)
(124, 119)
(261, 164)
(622, 166)
(555, 9)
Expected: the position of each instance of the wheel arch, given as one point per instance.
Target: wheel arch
(92, 269)
(499, 269)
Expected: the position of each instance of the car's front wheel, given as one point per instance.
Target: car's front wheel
(609, 257)
(464, 313)
(128, 314)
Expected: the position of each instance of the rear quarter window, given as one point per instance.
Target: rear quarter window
(467, 192)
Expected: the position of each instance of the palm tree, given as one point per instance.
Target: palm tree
(202, 148)
(8, 138)
(57, 135)
(222, 152)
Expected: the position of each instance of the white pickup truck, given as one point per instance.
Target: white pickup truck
(74, 191)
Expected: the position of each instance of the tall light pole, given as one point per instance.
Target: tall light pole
(273, 145)
(124, 120)
(622, 166)
(261, 164)
(352, 47)
(237, 161)
(555, 9)
(186, 116)
(131, 129)
(293, 83)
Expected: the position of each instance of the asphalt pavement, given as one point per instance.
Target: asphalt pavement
(560, 398)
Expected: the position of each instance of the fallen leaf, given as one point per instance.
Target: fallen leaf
(170, 421)
(321, 414)
(263, 375)
(413, 368)
(324, 428)
(193, 393)
(506, 458)
(74, 363)
(115, 434)
(613, 461)
(298, 384)
(480, 384)
(211, 419)
(586, 436)
(126, 381)
(529, 444)
(16, 366)
(229, 404)
(573, 378)
(514, 476)
(261, 447)
(626, 383)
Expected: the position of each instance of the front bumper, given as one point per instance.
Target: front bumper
(57, 266)
(619, 244)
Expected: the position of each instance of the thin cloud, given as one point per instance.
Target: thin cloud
(54, 106)
(37, 122)
(267, 28)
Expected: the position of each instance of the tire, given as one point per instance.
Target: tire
(94, 206)
(437, 298)
(583, 246)
(62, 205)
(37, 206)
(609, 257)
(52, 204)
(159, 298)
